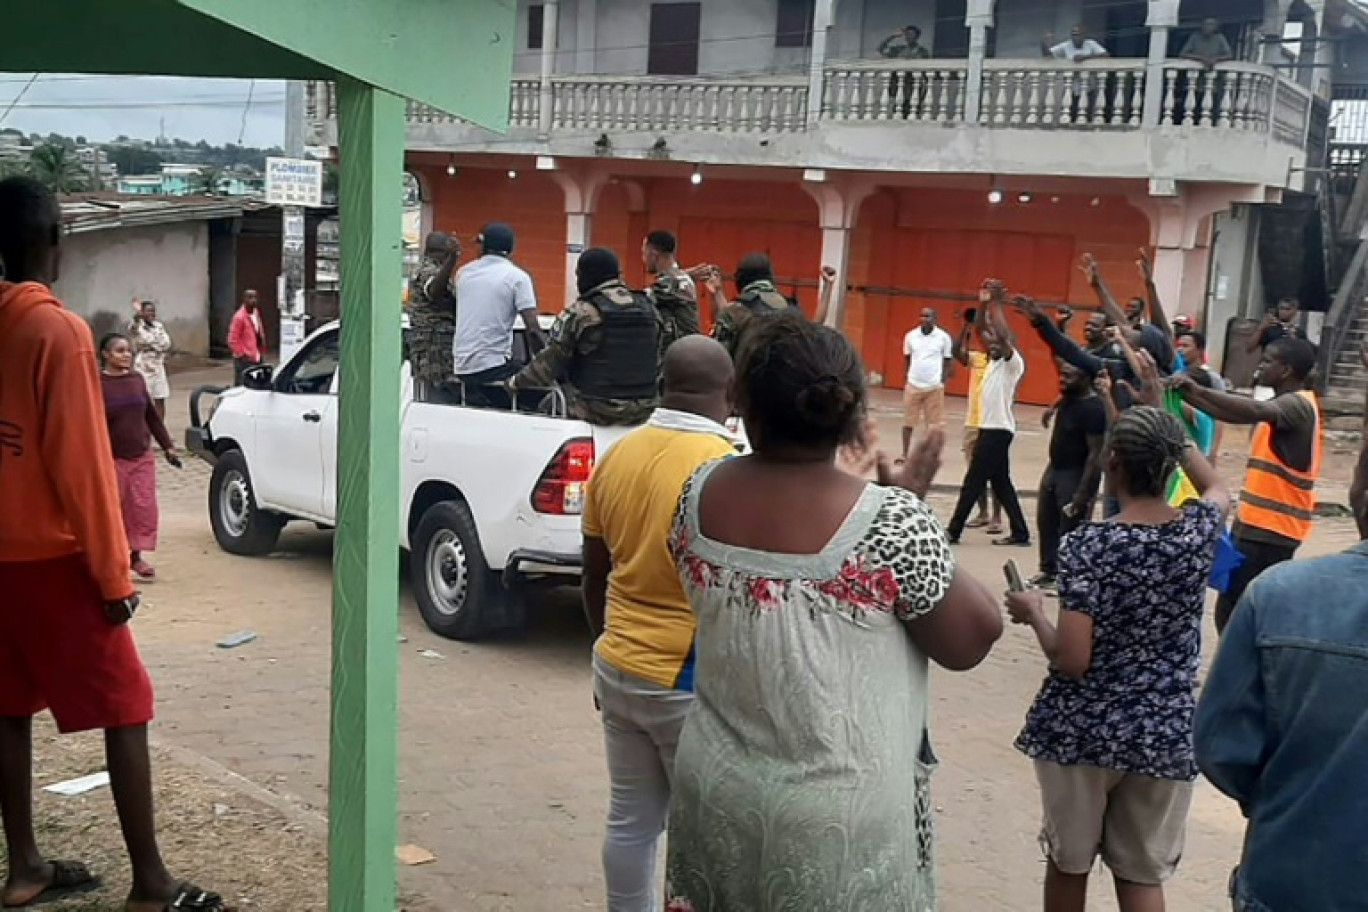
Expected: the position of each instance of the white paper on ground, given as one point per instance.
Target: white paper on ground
(73, 787)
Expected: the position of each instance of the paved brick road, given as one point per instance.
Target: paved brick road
(501, 760)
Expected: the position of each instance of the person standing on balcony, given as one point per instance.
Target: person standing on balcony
(1278, 502)
(904, 44)
(1207, 45)
(1082, 93)
(1077, 49)
(673, 291)
(494, 294)
(929, 352)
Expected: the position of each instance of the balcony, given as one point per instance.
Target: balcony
(1240, 122)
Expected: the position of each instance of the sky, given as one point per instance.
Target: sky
(104, 107)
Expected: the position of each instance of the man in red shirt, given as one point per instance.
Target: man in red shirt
(65, 595)
(246, 336)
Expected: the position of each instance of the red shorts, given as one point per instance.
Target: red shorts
(58, 652)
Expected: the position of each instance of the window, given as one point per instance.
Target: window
(312, 372)
(535, 12)
(794, 26)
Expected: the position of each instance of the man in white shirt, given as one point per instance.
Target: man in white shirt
(1077, 49)
(493, 293)
(991, 463)
(929, 351)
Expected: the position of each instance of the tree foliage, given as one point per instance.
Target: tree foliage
(57, 167)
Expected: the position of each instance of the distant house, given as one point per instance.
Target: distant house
(186, 180)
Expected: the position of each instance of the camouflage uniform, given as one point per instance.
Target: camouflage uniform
(432, 327)
(676, 302)
(755, 299)
(577, 333)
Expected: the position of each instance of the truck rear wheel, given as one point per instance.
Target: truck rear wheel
(459, 597)
(240, 526)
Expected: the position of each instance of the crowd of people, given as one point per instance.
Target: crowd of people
(755, 610)
(768, 609)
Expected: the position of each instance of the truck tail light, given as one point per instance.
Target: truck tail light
(560, 490)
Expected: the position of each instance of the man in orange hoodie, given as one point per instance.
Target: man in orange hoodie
(65, 596)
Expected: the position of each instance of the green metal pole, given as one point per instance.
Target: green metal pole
(361, 786)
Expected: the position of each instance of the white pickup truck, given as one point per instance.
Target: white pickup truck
(490, 498)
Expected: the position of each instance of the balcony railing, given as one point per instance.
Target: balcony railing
(771, 105)
(1023, 94)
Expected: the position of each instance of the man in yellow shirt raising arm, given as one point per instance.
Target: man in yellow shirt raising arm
(643, 659)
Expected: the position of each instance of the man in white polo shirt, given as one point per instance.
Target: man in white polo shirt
(929, 351)
(493, 294)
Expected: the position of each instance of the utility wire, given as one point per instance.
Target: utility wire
(18, 98)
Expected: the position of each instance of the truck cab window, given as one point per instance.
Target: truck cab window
(312, 372)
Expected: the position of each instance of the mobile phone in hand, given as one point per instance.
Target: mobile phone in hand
(1014, 581)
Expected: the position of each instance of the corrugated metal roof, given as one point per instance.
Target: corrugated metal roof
(101, 212)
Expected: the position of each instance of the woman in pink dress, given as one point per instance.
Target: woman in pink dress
(133, 422)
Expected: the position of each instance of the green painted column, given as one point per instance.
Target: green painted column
(361, 785)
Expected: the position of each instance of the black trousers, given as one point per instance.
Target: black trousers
(240, 366)
(990, 465)
(1058, 488)
(482, 390)
(1259, 556)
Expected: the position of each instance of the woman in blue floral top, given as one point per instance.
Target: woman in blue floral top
(801, 778)
(1111, 729)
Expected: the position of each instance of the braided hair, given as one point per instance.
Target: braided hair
(1148, 443)
(799, 383)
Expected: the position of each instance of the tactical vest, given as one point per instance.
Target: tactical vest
(764, 302)
(626, 363)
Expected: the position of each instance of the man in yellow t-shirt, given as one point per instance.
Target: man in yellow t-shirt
(977, 362)
(643, 659)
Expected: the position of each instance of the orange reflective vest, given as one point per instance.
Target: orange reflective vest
(1276, 497)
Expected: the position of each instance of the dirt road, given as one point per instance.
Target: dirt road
(501, 760)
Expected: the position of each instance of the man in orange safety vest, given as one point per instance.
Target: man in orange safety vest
(1278, 501)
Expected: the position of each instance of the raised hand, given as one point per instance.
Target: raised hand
(1102, 383)
(1028, 307)
(1089, 267)
(919, 470)
(828, 274)
(1146, 266)
(861, 458)
(1147, 371)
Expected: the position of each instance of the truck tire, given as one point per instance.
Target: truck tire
(240, 526)
(459, 597)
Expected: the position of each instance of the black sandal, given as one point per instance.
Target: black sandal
(69, 878)
(190, 898)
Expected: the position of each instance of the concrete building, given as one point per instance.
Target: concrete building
(771, 125)
(179, 253)
(184, 180)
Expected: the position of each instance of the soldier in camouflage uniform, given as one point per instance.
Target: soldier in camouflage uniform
(603, 350)
(432, 315)
(672, 292)
(758, 297)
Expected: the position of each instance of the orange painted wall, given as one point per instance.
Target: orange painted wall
(533, 204)
(940, 244)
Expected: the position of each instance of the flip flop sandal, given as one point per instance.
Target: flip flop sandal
(994, 529)
(1010, 542)
(190, 898)
(977, 524)
(69, 878)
